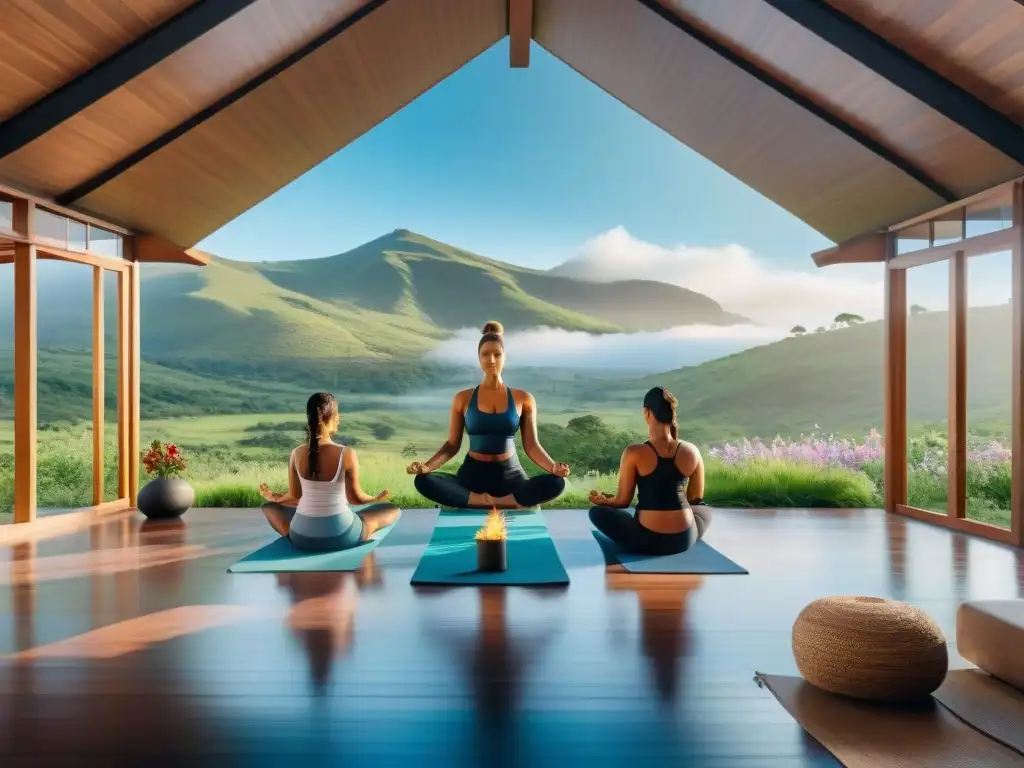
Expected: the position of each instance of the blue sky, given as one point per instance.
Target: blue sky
(519, 165)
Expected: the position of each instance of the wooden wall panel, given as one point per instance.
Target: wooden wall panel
(46, 43)
(791, 156)
(171, 92)
(946, 152)
(977, 44)
(287, 126)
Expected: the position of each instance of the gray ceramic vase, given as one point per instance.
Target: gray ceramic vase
(165, 498)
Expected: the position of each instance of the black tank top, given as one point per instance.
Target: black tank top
(664, 488)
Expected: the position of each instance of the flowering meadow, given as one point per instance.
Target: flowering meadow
(812, 471)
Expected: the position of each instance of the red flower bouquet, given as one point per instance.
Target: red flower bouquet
(164, 460)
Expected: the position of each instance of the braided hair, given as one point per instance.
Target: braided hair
(321, 408)
(662, 405)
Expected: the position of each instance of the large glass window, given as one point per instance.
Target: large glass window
(948, 227)
(927, 385)
(989, 381)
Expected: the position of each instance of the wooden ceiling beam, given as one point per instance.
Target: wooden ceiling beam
(153, 249)
(520, 32)
(106, 175)
(860, 250)
(114, 72)
(798, 98)
(926, 85)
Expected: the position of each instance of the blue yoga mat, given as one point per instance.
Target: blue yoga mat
(702, 558)
(450, 557)
(280, 556)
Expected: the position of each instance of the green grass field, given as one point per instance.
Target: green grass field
(231, 455)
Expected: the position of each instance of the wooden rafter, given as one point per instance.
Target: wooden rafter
(520, 32)
(885, 59)
(114, 72)
(798, 98)
(94, 183)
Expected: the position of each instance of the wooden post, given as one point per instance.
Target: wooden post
(895, 385)
(1017, 361)
(98, 382)
(26, 344)
(956, 502)
(123, 389)
(135, 381)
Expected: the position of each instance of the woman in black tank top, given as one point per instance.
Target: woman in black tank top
(673, 483)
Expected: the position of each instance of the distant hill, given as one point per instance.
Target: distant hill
(410, 275)
(391, 299)
(834, 379)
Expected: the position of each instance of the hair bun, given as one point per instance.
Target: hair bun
(493, 326)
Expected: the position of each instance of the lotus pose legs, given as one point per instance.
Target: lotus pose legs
(323, 480)
(492, 413)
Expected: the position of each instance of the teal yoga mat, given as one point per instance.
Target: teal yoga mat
(450, 557)
(702, 558)
(281, 557)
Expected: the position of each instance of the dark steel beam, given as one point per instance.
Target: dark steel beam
(114, 72)
(876, 147)
(887, 60)
(108, 174)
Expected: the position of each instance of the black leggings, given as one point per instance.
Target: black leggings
(623, 527)
(498, 478)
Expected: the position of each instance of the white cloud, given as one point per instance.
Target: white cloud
(642, 352)
(735, 278)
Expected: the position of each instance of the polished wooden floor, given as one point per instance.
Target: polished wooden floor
(128, 642)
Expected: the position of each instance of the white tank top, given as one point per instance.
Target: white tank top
(323, 498)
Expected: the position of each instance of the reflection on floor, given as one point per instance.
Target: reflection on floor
(126, 641)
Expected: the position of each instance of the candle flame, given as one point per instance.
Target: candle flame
(495, 529)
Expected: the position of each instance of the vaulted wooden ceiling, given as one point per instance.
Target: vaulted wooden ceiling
(173, 117)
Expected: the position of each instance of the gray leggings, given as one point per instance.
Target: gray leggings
(623, 527)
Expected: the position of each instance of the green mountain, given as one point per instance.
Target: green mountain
(408, 275)
(834, 380)
(391, 299)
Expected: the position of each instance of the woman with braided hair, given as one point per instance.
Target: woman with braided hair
(323, 480)
(670, 513)
(492, 413)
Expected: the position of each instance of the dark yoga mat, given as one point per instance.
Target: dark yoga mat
(450, 557)
(701, 558)
(280, 556)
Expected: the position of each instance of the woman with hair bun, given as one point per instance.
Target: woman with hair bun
(670, 513)
(492, 413)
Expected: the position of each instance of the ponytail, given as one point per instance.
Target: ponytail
(662, 405)
(313, 430)
(321, 408)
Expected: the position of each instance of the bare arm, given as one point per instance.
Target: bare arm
(355, 494)
(531, 444)
(623, 496)
(294, 486)
(294, 493)
(451, 447)
(695, 485)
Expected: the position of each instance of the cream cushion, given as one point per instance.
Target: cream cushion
(990, 634)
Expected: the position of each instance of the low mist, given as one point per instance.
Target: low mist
(634, 352)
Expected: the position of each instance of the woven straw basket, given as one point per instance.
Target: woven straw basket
(870, 648)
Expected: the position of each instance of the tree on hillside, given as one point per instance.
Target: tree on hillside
(917, 309)
(820, 329)
(847, 319)
(382, 430)
(798, 330)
